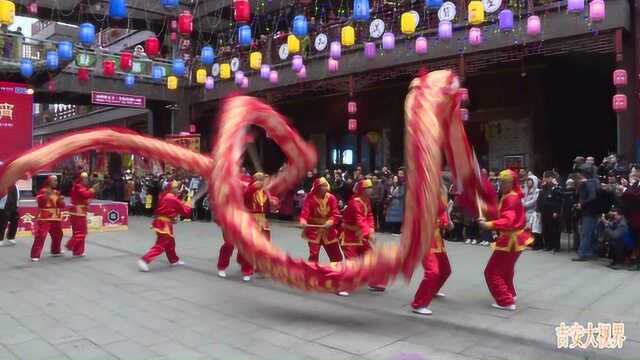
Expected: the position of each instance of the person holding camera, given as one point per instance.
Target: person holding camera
(615, 227)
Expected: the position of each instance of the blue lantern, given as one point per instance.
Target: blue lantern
(129, 80)
(361, 10)
(26, 68)
(65, 51)
(170, 4)
(244, 35)
(118, 9)
(52, 60)
(178, 67)
(300, 26)
(157, 73)
(433, 4)
(207, 57)
(87, 34)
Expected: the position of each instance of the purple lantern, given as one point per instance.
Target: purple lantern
(245, 82)
(475, 36)
(575, 6)
(239, 75)
(505, 20)
(388, 41)
(596, 10)
(265, 71)
(273, 77)
(209, 83)
(421, 45)
(335, 50)
(533, 26)
(445, 30)
(333, 65)
(369, 50)
(302, 73)
(297, 64)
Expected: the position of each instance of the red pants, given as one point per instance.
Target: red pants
(226, 250)
(79, 227)
(436, 272)
(354, 251)
(499, 276)
(165, 243)
(53, 228)
(333, 251)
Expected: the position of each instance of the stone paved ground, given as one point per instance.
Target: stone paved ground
(101, 307)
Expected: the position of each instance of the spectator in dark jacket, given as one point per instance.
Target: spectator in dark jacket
(615, 228)
(588, 205)
(9, 216)
(550, 202)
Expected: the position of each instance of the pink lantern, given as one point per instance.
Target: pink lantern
(245, 82)
(533, 26)
(265, 71)
(445, 30)
(353, 125)
(33, 8)
(619, 102)
(475, 36)
(352, 107)
(335, 50)
(464, 114)
(273, 77)
(333, 65)
(596, 10)
(421, 45)
(297, 64)
(620, 77)
(238, 76)
(369, 50)
(209, 84)
(192, 128)
(464, 94)
(302, 73)
(388, 41)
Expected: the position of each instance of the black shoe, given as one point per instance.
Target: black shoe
(547, 250)
(635, 268)
(580, 259)
(615, 266)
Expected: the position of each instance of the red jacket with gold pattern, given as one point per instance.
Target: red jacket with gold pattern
(80, 196)
(50, 204)
(358, 222)
(169, 208)
(511, 224)
(318, 211)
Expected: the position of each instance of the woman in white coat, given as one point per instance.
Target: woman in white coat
(530, 202)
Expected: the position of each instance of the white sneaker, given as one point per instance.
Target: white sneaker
(80, 256)
(511, 307)
(342, 293)
(35, 259)
(4, 243)
(474, 242)
(422, 311)
(61, 253)
(468, 241)
(178, 263)
(11, 242)
(441, 295)
(143, 266)
(246, 278)
(222, 274)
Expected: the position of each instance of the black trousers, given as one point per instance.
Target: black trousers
(551, 232)
(8, 220)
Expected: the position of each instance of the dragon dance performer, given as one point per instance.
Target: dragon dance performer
(436, 267)
(166, 214)
(512, 240)
(359, 226)
(81, 194)
(49, 219)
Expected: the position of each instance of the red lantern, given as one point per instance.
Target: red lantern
(152, 46)
(353, 125)
(464, 94)
(108, 67)
(185, 23)
(242, 11)
(352, 107)
(126, 61)
(619, 103)
(83, 74)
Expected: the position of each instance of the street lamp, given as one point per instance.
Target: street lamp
(173, 108)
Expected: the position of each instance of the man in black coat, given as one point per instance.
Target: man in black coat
(550, 206)
(9, 216)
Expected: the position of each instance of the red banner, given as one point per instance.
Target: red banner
(16, 113)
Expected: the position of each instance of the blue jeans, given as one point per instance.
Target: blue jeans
(587, 233)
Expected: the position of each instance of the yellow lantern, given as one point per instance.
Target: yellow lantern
(255, 60)
(408, 23)
(476, 12)
(294, 44)
(172, 82)
(225, 71)
(348, 36)
(201, 76)
(7, 12)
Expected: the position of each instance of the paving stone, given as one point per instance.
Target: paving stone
(36, 349)
(128, 349)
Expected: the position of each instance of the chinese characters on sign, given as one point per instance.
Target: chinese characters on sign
(16, 119)
(603, 336)
(115, 99)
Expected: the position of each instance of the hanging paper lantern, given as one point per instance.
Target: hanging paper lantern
(201, 76)
(293, 44)
(352, 107)
(333, 65)
(52, 60)
(533, 26)
(348, 36)
(118, 9)
(207, 57)
(464, 114)
(244, 35)
(352, 125)
(475, 36)
(178, 67)
(335, 50)
(619, 103)
(361, 10)
(83, 75)
(464, 94)
(242, 11)
(170, 4)
(408, 23)
(174, 25)
(575, 6)
(296, 64)
(388, 41)
(33, 8)
(433, 4)
(273, 77)
(152, 46)
(445, 30)
(129, 80)
(421, 45)
(172, 83)
(209, 84)
(173, 37)
(302, 73)
(126, 61)
(225, 71)
(245, 83)
(255, 60)
(185, 23)
(238, 77)
(265, 70)
(87, 34)
(157, 73)
(369, 50)
(596, 10)
(505, 20)
(65, 50)
(300, 26)
(26, 68)
(476, 12)
(51, 86)
(108, 67)
(7, 12)
(620, 77)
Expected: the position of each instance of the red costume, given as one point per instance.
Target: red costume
(513, 239)
(436, 265)
(169, 208)
(49, 220)
(80, 196)
(321, 210)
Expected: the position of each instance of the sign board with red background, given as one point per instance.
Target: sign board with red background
(16, 119)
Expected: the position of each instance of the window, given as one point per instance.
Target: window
(347, 157)
(334, 156)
